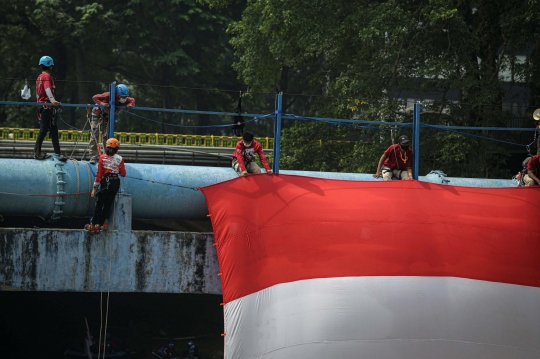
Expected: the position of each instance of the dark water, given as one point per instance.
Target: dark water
(44, 324)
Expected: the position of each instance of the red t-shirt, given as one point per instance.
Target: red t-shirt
(103, 98)
(534, 164)
(397, 159)
(245, 155)
(43, 82)
(110, 164)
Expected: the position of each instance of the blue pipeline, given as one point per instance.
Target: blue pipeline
(151, 200)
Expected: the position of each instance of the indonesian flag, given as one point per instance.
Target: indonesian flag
(317, 269)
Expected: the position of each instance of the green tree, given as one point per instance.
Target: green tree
(376, 51)
(173, 45)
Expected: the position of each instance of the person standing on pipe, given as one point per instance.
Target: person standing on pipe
(244, 156)
(110, 167)
(396, 161)
(47, 110)
(100, 117)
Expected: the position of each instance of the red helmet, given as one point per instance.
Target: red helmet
(112, 143)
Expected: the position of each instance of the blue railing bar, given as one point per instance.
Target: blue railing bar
(290, 117)
(141, 109)
(416, 140)
(137, 108)
(112, 109)
(277, 133)
(324, 119)
(481, 128)
(40, 104)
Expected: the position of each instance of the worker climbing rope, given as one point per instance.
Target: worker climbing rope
(110, 167)
(100, 118)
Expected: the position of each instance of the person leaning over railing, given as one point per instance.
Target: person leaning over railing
(100, 117)
(396, 161)
(244, 156)
(46, 110)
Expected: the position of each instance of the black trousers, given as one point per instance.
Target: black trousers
(47, 124)
(105, 199)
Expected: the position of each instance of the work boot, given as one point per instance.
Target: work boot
(41, 156)
(93, 160)
(61, 157)
(105, 226)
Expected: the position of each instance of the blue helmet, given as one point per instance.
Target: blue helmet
(46, 61)
(122, 90)
(170, 345)
(190, 343)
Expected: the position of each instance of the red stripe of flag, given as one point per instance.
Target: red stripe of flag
(278, 229)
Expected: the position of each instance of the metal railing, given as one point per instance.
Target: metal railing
(134, 138)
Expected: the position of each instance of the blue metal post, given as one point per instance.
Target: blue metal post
(416, 140)
(277, 132)
(112, 108)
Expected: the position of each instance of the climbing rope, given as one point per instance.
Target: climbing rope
(79, 137)
(108, 296)
(163, 183)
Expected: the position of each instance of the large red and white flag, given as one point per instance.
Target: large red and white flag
(317, 269)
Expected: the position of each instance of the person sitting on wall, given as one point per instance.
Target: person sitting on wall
(100, 117)
(396, 161)
(244, 156)
(531, 178)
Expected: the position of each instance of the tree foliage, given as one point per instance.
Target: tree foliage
(174, 45)
(460, 52)
(341, 59)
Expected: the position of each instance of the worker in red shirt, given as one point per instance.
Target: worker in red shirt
(396, 161)
(46, 110)
(110, 167)
(531, 178)
(101, 118)
(244, 156)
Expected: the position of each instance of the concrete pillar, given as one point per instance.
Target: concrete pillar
(121, 213)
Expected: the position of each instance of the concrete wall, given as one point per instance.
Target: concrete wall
(139, 261)
(119, 260)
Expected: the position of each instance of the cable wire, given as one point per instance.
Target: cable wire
(163, 183)
(475, 136)
(208, 126)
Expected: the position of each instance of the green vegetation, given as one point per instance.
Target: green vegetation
(356, 59)
(365, 54)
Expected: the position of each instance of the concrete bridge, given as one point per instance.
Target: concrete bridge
(122, 260)
(119, 260)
